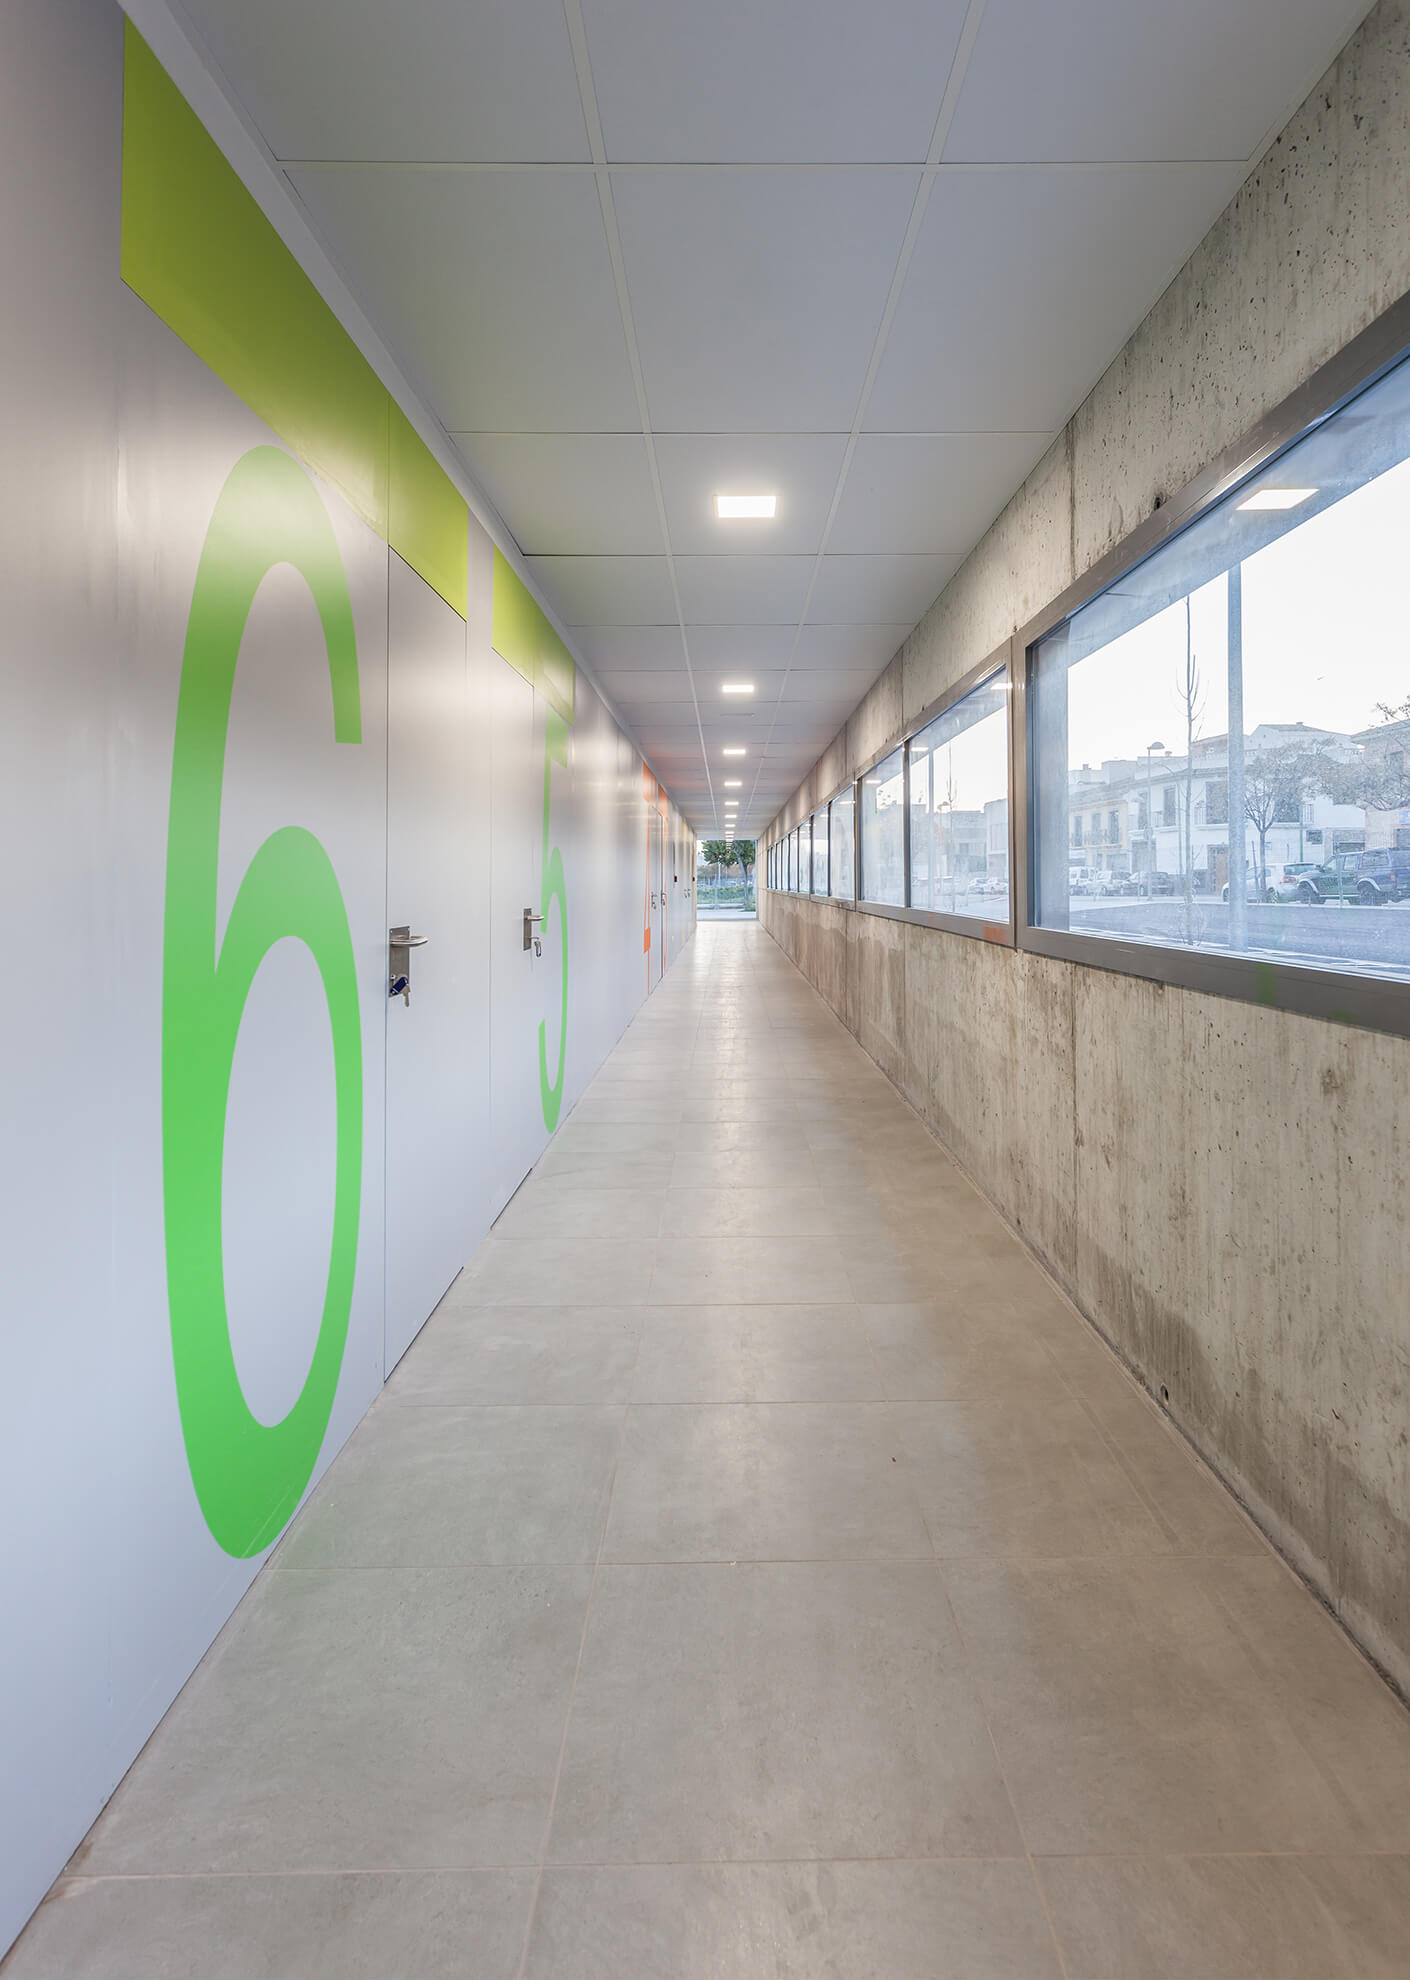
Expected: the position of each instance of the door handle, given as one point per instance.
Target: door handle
(531, 941)
(400, 943)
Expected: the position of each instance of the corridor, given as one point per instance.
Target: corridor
(756, 1568)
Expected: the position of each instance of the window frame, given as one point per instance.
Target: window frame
(999, 930)
(981, 928)
(1373, 1003)
(849, 785)
(898, 746)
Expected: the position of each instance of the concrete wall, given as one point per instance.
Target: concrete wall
(1219, 1187)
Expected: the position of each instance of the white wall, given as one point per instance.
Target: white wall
(118, 443)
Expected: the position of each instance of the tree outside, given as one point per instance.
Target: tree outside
(715, 886)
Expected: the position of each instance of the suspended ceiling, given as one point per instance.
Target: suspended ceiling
(868, 257)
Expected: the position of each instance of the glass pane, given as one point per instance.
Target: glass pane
(883, 849)
(959, 821)
(820, 851)
(805, 857)
(841, 831)
(1221, 743)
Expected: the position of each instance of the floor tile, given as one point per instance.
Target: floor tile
(792, 1921)
(1128, 1716)
(434, 1926)
(723, 1213)
(1028, 1475)
(956, 1351)
(367, 1719)
(720, 1354)
(561, 1207)
(521, 1354)
(557, 1272)
(776, 1711)
(762, 1481)
(737, 1168)
(449, 1486)
(767, 1270)
(1355, 1729)
(1229, 1917)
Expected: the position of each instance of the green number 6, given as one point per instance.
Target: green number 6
(248, 1475)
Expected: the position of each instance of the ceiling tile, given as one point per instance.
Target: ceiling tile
(847, 647)
(743, 590)
(494, 289)
(757, 296)
(731, 650)
(827, 689)
(603, 591)
(863, 589)
(766, 682)
(1111, 79)
(929, 491)
(1058, 268)
(622, 649)
(646, 688)
(788, 81)
(568, 493)
(422, 80)
(800, 468)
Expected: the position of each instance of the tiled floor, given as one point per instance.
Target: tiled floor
(757, 1569)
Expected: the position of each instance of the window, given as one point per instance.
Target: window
(959, 778)
(883, 843)
(820, 851)
(805, 857)
(842, 815)
(789, 857)
(1247, 685)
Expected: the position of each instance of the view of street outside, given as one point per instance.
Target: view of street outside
(1230, 724)
(724, 877)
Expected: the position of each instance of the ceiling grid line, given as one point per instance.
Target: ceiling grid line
(944, 117)
(577, 35)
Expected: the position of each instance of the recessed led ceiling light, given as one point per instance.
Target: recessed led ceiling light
(734, 783)
(737, 687)
(1277, 498)
(733, 752)
(745, 508)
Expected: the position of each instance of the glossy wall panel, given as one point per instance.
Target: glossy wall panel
(210, 654)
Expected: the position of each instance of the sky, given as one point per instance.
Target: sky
(1325, 637)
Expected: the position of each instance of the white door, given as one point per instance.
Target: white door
(517, 975)
(656, 893)
(431, 1037)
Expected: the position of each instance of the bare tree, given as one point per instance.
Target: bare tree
(1378, 776)
(1275, 783)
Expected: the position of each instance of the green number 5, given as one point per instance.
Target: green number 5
(248, 1475)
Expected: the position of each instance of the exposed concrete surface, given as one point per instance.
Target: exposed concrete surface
(1219, 1187)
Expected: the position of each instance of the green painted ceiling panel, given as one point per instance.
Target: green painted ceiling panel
(523, 636)
(200, 252)
(428, 522)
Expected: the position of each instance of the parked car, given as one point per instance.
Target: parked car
(1336, 879)
(1281, 882)
(1082, 879)
(1157, 882)
(1112, 882)
(1383, 875)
